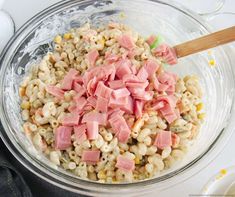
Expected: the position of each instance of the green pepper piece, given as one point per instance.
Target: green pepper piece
(157, 42)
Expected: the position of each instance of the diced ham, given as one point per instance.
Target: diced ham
(67, 82)
(91, 86)
(138, 108)
(92, 130)
(92, 56)
(91, 156)
(163, 139)
(124, 163)
(123, 68)
(120, 128)
(151, 67)
(116, 84)
(71, 119)
(102, 104)
(166, 82)
(151, 39)
(158, 105)
(120, 102)
(119, 93)
(126, 41)
(94, 116)
(167, 53)
(55, 91)
(139, 85)
(115, 112)
(78, 79)
(63, 137)
(111, 58)
(128, 108)
(131, 78)
(175, 139)
(80, 102)
(92, 101)
(103, 91)
(142, 74)
(143, 95)
(80, 133)
(79, 89)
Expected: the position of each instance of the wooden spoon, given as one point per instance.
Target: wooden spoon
(205, 42)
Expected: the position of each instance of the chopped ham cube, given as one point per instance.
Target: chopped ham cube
(115, 112)
(80, 102)
(55, 91)
(94, 116)
(130, 78)
(78, 79)
(151, 39)
(143, 95)
(120, 102)
(142, 74)
(92, 56)
(123, 68)
(102, 104)
(80, 133)
(92, 101)
(111, 58)
(167, 53)
(124, 163)
(91, 156)
(92, 130)
(103, 91)
(63, 137)
(119, 93)
(128, 108)
(126, 41)
(139, 85)
(138, 106)
(116, 84)
(71, 119)
(91, 86)
(151, 67)
(79, 89)
(68, 79)
(163, 139)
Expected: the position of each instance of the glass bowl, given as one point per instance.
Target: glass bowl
(171, 20)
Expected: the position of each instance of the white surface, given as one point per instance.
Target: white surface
(22, 10)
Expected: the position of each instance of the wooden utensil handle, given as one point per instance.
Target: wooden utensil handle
(205, 42)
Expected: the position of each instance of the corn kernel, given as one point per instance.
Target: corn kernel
(67, 36)
(22, 91)
(101, 41)
(201, 116)
(212, 62)
(25, 105)
(199, 106)
(137, 160)
(223, 171)
(58, 39)
(101, 175)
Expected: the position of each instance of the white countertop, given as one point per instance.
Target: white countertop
(22, 10)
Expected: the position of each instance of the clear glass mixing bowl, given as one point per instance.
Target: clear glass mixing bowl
(177, 24)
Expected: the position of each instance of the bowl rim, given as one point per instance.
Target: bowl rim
(89, 187)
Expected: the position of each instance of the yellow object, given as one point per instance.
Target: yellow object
(25, 105)
(212, 62)
(223, 171)
(137, 160)
(22, 91)
(67, 36)
(101, 175)
(201, 116)
(199, 106)
(58, 39)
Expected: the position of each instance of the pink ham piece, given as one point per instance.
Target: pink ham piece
(91, 86)
(126, 42)
(124, 163)
(120, 102)
(115, 112)
(55, 91)
(79, 89)
(167, 53)
(143, 95)
(123, 68)
(94, 116)
(119, 93)
(102, 104)
(63, 137)
(80, 102)
(151, 39)
(163, 139)
(68, 79)
(111, 58)
(130, 78)
(71, 119)
(92, 101)
(120, 128)
(78, 79)
(92, 130)
(142, 74)
(116, 84)
(128, 108)
(103, 91)
(91, 156)
(138, 108)
(139, 85)
(80, 133)
(92, 56)
(151, 67)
